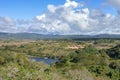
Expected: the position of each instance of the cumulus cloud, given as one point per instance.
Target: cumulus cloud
(69, 18)
(51, 8)
(72, 18)
(7, 24)
(41, 17)
(70, 3)
(64, 19)
(115, 4)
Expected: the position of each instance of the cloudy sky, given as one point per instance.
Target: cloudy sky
(60, 16)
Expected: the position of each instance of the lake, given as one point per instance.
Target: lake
(47, 61)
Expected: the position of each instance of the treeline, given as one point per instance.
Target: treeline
(101, 63)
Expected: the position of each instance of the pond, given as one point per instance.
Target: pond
(45, 60)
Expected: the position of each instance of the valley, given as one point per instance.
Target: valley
(97, 60)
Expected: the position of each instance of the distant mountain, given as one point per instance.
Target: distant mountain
(43, 36)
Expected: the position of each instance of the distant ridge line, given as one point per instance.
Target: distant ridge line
(35, 36)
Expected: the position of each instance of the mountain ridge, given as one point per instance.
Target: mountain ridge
(4, 35)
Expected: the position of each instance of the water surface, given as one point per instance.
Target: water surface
(45, 60)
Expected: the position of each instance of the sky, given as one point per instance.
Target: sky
(60, 16)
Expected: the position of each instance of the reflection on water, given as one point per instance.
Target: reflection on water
(46, 60)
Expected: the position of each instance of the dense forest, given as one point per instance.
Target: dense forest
(78, 59)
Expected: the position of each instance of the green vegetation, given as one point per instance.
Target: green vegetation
(98, 60)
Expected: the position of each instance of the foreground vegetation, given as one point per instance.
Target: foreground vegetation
(98, 60)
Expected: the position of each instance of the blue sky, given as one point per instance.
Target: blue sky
(25, 8)
(60, 16)
(30, 8)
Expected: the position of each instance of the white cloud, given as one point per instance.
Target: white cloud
(115, 4)
(70, 3)
(66, 18)
(7, 24)
(51, 8)
(41, 17)
(69, 18)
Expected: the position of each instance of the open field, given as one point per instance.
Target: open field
(15, 42)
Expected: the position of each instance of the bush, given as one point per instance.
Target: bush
(2, 60)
